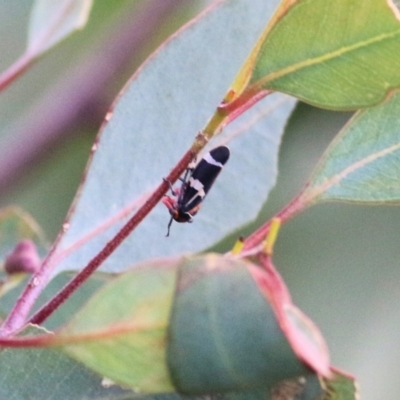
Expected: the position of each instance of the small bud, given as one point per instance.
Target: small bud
(24, 258)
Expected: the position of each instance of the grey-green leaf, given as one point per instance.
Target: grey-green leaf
(155, 121)
(46, 374)
(51, 21)
(363, 162)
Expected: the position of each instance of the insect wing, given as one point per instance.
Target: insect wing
(203, 178)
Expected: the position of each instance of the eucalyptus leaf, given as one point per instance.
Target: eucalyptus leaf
(66, 310)
(341, 54)
(122, 330)
(153, 123)
(45, 374)
(52, 21)
(224, 333)
(194, 325)
(341, 387)
(362, 163)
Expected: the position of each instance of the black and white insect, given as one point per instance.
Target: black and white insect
(196, 183)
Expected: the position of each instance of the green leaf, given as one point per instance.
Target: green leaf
(52, 21)
(151, 126)
(346, 58)
(362, 163)
(45, 374)
(341, 387)
(121, 332)
(224, 334)
(301, 388)
(193, 325)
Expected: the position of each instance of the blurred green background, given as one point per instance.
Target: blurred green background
(340, 261)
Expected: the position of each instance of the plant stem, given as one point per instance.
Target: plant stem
(113, 244)
(296, 206)
(15, 70)
(242, 103)
(212, 128)
(214, 125)
(16, 318)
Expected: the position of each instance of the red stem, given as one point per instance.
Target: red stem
(15, 320)
(296, 206)
(29, 341)
(112, 245)
(238, 106)
(15, 70)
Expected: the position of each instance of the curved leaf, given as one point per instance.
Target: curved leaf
(206, 324)
(346, 58)
(153, 123)
(224, 333)
(362, 163)
(122, 331)
(52, 21)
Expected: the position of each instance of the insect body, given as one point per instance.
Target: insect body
(195, 185)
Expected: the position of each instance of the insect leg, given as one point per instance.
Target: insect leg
(169, 226)
(170, 186)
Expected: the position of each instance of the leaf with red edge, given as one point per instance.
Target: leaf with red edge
(362, 163)
(346, 58)
(122, 331)
(197, 325)
(303, 335)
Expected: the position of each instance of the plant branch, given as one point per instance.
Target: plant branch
(28, 341)
(15, 70)
(296, 206)
(242, 103)
(108, 249)
(212, 128)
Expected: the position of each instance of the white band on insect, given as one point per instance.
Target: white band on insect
(209, 158)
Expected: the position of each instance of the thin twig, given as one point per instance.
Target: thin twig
(296, 206)
(15, 70)
(15, 320)
(113, 244)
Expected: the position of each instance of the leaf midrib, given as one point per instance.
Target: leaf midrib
(320, 59)
(316, 191)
